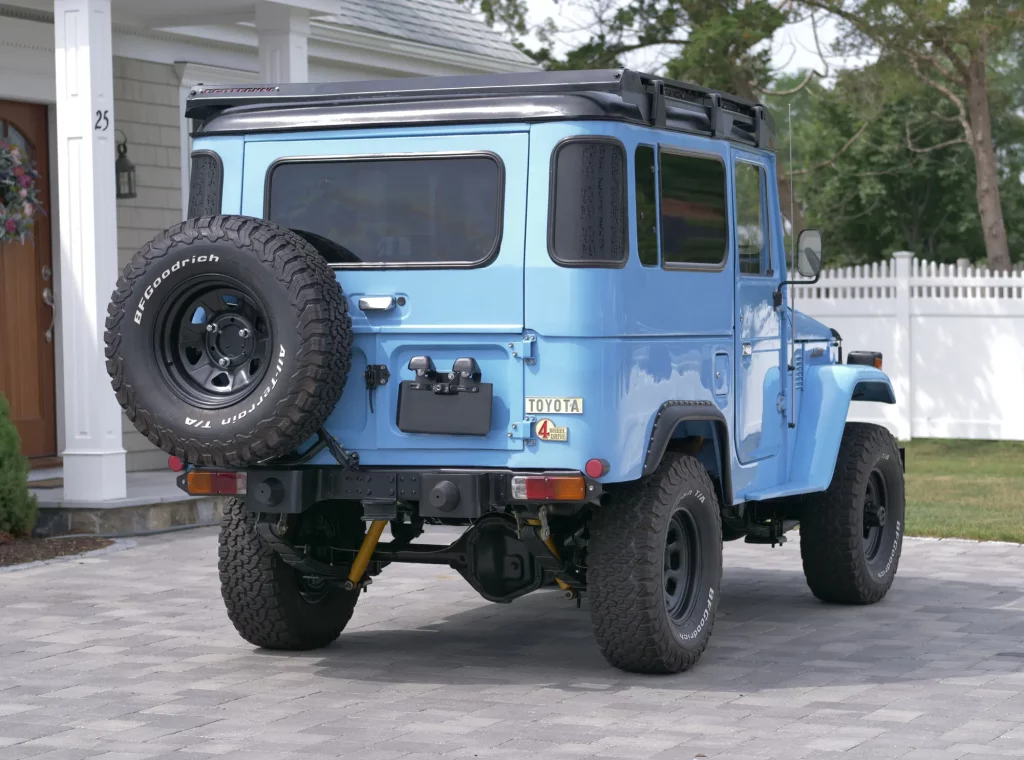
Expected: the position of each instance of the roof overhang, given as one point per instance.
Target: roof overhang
(158, 14)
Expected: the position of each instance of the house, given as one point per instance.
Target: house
(84, 80)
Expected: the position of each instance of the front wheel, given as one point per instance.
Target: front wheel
(655, 568)
(851, 536)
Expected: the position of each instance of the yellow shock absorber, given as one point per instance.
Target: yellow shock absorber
(355, 574)
(550, 543)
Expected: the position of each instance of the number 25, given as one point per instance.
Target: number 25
(102, 120)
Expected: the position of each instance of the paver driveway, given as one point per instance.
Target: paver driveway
(129, 655)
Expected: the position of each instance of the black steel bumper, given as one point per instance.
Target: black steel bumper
(439, 492)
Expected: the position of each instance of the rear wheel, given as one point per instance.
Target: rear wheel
(270, 603)
(851, 536)
(655, 568)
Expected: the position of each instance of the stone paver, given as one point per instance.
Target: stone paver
(129, 656)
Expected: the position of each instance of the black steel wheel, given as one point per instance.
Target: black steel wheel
(851, 536)
(654, 568)
(228, 341)
(215, 341)
(682, 566)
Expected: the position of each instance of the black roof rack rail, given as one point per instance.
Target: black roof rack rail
(619, 94)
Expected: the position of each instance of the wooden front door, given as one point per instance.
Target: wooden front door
(26, 297)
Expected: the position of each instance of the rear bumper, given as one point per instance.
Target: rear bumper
(437, 492)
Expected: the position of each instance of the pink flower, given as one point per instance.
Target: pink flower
(29, 209)
(24, 180)
(10, 226)
(23, 193)
(18, 170)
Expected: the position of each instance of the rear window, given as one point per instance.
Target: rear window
(395, 212)
(588, 203)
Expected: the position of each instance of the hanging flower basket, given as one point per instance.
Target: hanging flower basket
(19, 202)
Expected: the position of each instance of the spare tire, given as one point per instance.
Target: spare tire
(228, 340)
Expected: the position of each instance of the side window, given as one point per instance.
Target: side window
(646, 191)
(588, 204)
(751, 235)
(694, 213)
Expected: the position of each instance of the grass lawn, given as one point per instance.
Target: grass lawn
(965, 489)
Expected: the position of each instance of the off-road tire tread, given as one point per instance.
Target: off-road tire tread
(831, 538)
(624, 570)
(261, 594)
(322, 362)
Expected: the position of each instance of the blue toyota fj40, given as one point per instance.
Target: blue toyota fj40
(548, 307)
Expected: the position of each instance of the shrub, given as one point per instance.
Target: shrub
(18, 508)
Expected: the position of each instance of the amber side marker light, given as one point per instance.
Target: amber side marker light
(549, 488)
(206, 483)
(867, 358)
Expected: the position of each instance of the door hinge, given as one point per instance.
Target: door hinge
(523, 429)
(523, 349)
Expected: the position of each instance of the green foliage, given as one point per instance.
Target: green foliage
(18, 509)
(869, 192)
(856, 176)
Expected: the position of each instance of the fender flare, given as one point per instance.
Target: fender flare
(824, 407)
(667, 420)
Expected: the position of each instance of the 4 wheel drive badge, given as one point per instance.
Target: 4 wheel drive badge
(548, 431)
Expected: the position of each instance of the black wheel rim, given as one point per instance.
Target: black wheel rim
(875, 514)
(215, 342)
(682, 567)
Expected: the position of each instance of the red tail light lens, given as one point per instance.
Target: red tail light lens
(549, 488)
(175, 464)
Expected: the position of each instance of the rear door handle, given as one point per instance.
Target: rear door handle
(377, 303)
(748, 349)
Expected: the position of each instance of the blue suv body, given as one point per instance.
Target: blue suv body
(569, 328)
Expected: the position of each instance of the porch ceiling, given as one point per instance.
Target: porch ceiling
(160, 13)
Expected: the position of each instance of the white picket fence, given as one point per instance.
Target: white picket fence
(952, 337)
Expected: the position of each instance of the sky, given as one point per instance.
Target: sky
(793, 49)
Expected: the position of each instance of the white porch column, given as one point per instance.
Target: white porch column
(284, 40)
(94, 460)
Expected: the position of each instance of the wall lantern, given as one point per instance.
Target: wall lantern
(125, 170)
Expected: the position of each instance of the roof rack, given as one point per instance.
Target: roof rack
(618, 94)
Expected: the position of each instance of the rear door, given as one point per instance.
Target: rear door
(426, 236)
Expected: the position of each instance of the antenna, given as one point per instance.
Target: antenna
(792, 292)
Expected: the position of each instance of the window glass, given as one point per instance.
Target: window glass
(397, 212)
(588, 203)
(750, 233)
(694, 218)
(205, 185)
(646, 190)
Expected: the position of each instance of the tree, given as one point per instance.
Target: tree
(868, 191)
(720, 44)
(948, 45)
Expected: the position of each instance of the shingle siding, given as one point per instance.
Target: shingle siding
(146, 110)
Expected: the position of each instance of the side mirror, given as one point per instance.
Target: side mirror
(808, 263)
(808, 253)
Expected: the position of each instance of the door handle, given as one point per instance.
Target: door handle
(748, 349)
(48, 300)
(377, 303)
